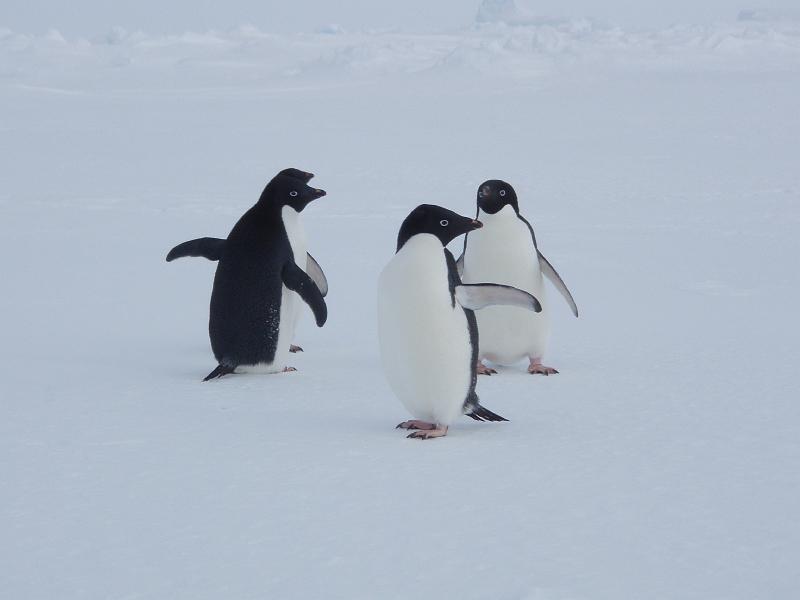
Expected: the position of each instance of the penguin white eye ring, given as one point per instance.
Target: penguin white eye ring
(444, 222)
(502, 192)
(293, 193)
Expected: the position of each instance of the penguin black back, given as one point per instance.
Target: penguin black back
(255, 263)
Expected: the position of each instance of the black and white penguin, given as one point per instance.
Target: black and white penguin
(426, 324)
(259, 284)
(505, 251)
(212, 248)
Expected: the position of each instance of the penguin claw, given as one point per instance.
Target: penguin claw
(294, 348)
(415, 424)
(428, 434)
(540, 369)
(482, 369)
(289, 369)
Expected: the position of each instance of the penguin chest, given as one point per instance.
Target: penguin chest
(296, 235)
(503, 252)
(424, 338)
(291, 303)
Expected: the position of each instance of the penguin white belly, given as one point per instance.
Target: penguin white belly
(424, 340)
(291, 303)
(502, 251)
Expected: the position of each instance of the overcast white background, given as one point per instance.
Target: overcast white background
(89, 17)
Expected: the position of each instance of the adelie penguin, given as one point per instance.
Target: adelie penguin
(211, 248)
(505, 251)
(259, 282)
(426, 324)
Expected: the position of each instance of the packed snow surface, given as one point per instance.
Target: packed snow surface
(660, 171)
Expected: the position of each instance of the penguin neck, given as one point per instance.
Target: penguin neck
(422, 243)
(505, 215)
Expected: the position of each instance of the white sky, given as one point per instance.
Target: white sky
(90, 17)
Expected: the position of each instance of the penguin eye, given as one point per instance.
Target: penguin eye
(444, 222)
(502, 192)
(293, 193)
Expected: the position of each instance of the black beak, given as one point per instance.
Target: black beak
(476, 224)
(317, 194)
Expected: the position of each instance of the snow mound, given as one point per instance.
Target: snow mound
(505, 42)
(509, 13)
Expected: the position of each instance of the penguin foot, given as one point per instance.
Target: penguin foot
(294, 348)
(428, 434)
(414, 424)
(537, 368)
(289, 369)
(220, 371)
(484, 370)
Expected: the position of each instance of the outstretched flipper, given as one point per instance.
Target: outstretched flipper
(207, 247)
(315, 272)
(298, 281)
(475, 296)
(460, 265)
(211, 248)
(556, 280)
(220, 371)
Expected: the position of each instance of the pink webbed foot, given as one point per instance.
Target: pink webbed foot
(414, 424)
(294, 348)
(429, 433)
(484, 370)
(289, 369)
(537, 368)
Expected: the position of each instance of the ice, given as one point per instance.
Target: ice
(659, 168)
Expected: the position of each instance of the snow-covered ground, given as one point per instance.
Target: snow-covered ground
(661, 171)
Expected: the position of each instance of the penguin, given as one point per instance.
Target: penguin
(211, 248)
(258, 283)
(427, 331)
(505, 251)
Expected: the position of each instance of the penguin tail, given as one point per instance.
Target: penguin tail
(481, 413)
(220, 371)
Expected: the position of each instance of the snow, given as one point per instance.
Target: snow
(659, 169)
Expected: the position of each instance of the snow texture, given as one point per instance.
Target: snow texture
(660, 170)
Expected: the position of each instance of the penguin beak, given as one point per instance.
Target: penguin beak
(476, 224)
(317, 194)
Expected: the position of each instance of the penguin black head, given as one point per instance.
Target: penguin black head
(436, 220)
(290, 188)
(494, 194)
(304, 176)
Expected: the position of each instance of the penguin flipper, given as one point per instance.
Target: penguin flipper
(207, 247)
(298, 281)
(475, 296)
(315, 272)
(556, 280)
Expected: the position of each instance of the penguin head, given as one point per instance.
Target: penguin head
(494, 195)
(290, 188)
(436, 220)
(304, 176)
